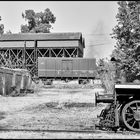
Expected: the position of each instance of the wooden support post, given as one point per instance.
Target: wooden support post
(22, 81)
(50, 52)
(77, 55)
(63, 53)
(14, 79)
(24, 55)
(3, 84)
(35, 58)
(29, 81)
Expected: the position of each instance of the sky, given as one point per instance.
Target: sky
(94, 19)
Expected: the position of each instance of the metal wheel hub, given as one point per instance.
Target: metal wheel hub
(131, 115)
(137, 115)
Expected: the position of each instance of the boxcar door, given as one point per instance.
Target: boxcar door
(66, 68)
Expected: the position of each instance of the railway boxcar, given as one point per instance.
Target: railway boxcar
(66, 68)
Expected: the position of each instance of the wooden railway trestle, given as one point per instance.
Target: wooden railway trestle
(27, 57)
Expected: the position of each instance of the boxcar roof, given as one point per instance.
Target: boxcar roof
(41, 36)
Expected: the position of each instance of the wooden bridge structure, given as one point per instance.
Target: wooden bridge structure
(23, 50)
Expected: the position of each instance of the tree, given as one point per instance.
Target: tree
(1, 27)
(38, 22)
(106, 72)
(127, 35)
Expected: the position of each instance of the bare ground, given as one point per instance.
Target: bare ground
(66, 106)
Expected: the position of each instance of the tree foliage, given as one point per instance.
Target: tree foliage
(127, 35)
(1, 27)
(38, 22)
(106, 72)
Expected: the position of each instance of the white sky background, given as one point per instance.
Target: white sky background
(94, 19)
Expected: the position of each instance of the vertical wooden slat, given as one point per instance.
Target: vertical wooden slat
(24, 55)
(3, 84)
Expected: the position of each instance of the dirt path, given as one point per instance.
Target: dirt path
(58, 107)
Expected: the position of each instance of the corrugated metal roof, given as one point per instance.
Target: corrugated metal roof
(40, 36)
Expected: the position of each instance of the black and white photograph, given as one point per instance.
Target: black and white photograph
(69, 69)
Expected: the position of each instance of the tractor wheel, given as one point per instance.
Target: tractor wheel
(131, 115)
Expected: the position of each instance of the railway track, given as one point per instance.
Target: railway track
(76, 134)
(63, 131)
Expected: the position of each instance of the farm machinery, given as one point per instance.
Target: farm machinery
(123, 109)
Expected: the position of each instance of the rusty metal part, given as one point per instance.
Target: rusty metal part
(131, 115)
(105, 98)
(107, 118)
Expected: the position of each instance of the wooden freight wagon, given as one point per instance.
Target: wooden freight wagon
(66, 68)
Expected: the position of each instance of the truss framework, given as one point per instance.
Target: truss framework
(27, 57)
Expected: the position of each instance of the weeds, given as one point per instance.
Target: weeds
(36, 87)
(107, 74)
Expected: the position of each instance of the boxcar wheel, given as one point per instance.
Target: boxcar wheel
(80, 81)
(131, 115)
